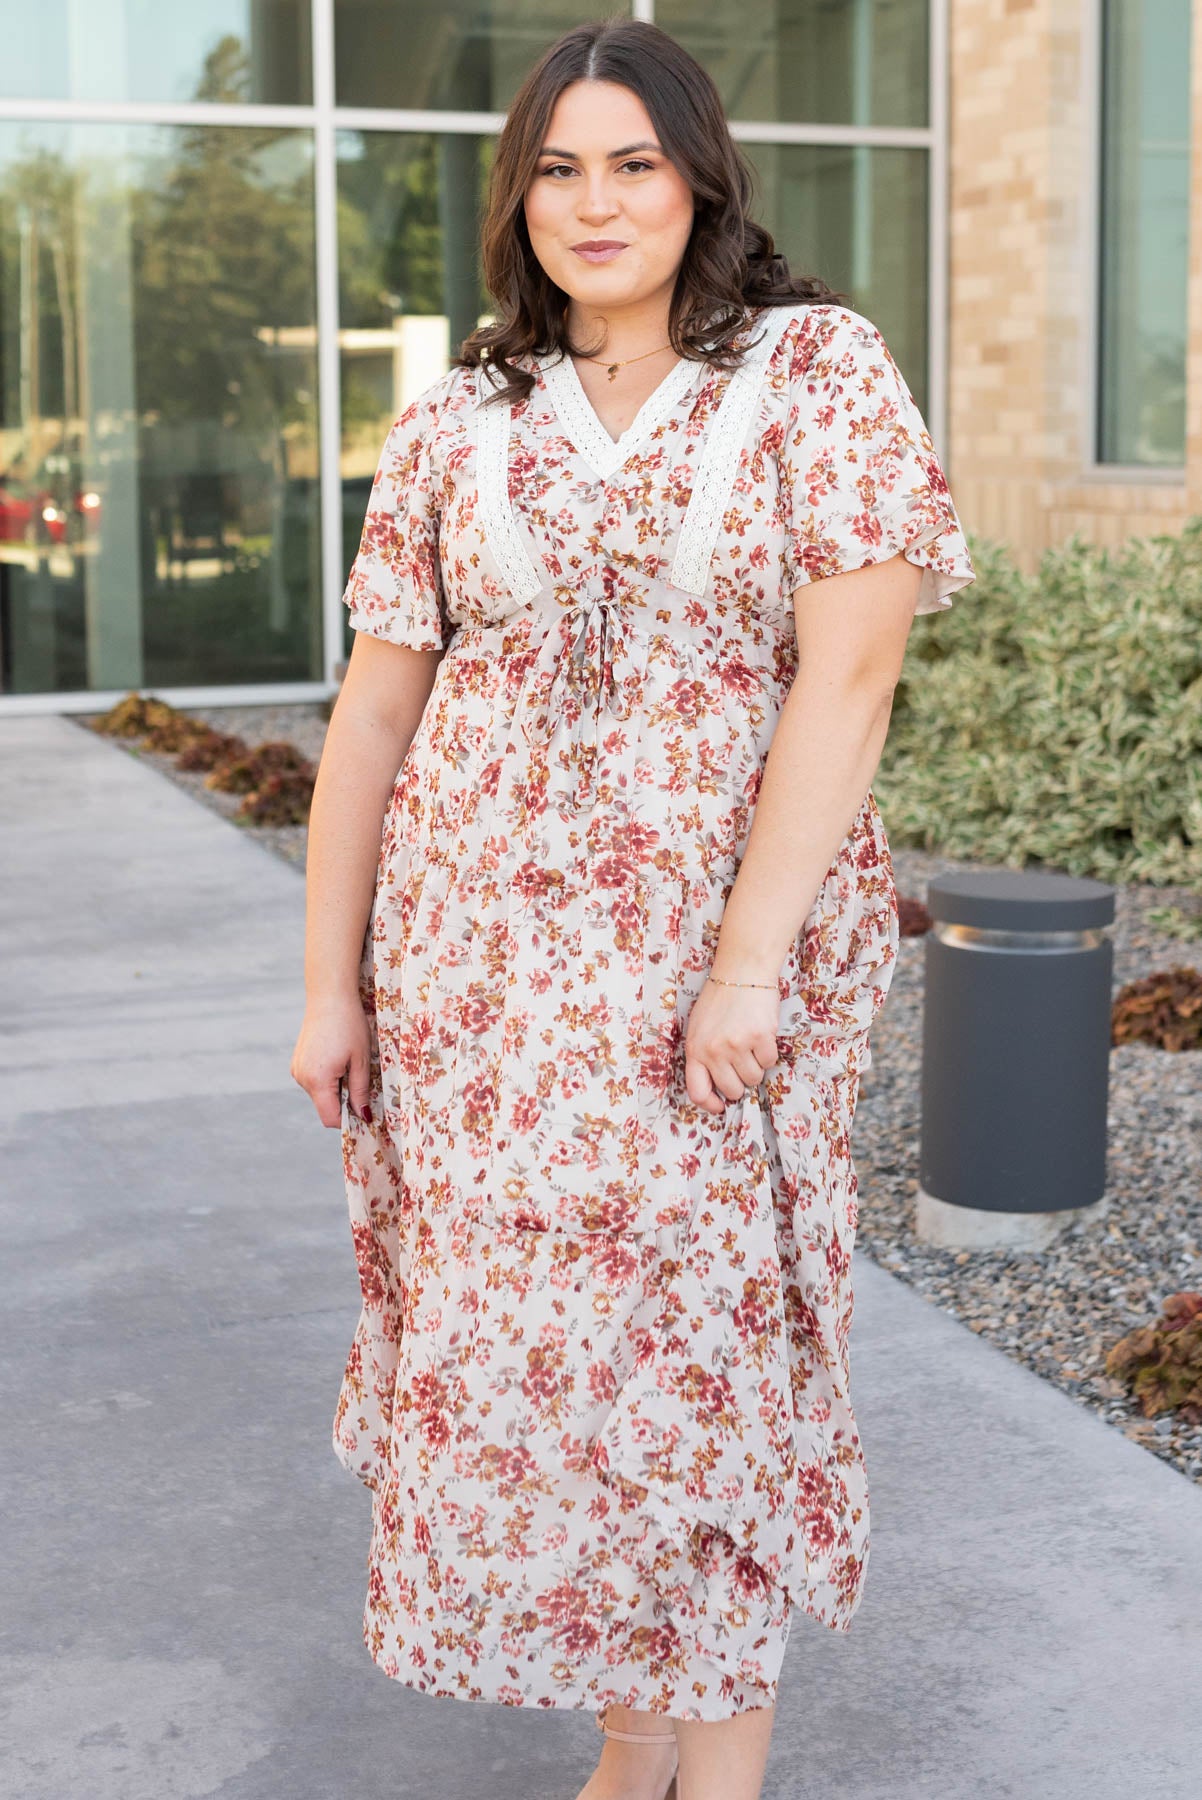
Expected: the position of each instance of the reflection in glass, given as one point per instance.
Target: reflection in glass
(1144, 232)
(464, 55)
(410, 289)
(846, 62)
(857, 216)
(256, 50)
(158, 432)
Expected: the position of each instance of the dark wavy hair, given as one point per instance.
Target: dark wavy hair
(729, 264)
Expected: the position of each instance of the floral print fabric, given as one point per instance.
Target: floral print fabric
(600, 1380)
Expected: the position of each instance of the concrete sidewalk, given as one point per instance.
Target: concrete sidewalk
(181, 1597)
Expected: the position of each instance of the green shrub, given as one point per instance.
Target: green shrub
(1056, 718)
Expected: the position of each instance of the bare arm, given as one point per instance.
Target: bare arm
(852, 631)
(377, 712)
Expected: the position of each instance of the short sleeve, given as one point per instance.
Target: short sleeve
(860, 480)
(395, 588)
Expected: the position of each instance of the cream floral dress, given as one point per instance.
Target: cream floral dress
(599, 1385)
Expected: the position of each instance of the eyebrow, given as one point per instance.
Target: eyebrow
(550, 150)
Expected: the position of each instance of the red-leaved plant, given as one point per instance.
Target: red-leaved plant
(1162, 1363)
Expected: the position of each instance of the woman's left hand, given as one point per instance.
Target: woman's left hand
(730, 1043)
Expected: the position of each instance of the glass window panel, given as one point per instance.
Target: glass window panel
(409, 209)
(817, 62)
(856, 216)
(1144, 232)
(463, 56)
(256, 50)
(158, 412)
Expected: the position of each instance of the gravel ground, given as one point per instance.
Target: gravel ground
(1056, 1310)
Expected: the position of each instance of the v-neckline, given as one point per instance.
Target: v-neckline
(583, 425)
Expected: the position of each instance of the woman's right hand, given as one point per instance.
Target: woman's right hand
(334, 1042)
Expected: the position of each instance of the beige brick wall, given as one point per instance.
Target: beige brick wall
(1020, 287)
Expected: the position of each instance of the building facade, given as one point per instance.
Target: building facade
(1074, 346)
(236, 239)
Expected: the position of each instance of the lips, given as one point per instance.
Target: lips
(598, 251)
(600, 244)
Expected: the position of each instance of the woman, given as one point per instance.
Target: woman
(673, 509)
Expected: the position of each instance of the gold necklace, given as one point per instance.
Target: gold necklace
(615, 366)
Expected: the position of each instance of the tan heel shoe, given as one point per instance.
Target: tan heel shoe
(641, 1737)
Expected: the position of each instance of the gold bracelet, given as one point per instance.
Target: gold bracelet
(760, 984)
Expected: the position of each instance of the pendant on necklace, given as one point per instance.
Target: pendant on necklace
(613, 369)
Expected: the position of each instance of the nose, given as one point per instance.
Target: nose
(597, 202)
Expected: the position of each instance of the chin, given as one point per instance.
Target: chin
(596, 281)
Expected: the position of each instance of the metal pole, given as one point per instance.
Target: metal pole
(329, 374)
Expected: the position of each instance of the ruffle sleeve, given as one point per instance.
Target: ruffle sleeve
(860, 480)
(395, 589)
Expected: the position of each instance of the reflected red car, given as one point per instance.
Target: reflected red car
(41, 517)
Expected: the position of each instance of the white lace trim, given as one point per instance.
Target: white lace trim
(607, 454)
(493, 423)
(720, 457)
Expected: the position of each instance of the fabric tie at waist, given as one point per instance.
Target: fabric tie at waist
(576, 688)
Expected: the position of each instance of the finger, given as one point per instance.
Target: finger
(360, 1083)
(327, 1099)
(748, 1069)
(700, 1087)
(755, 1061)
(728, 1080)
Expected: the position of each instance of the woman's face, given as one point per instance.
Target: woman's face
(601, 176)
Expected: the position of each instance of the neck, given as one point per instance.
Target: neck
(619, 332)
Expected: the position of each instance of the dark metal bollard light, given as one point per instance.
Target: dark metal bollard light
(1015, 1056)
